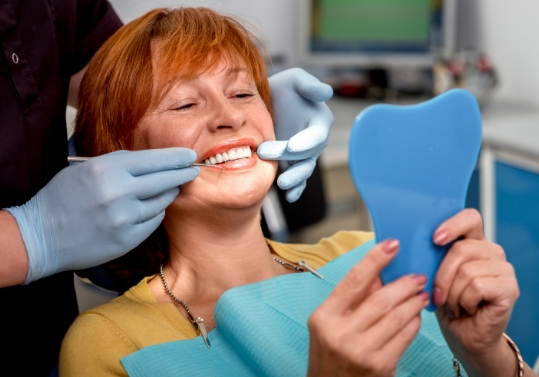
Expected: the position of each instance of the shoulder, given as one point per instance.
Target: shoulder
(93, 346)
(325, 250)
(97, 340)
(100, 337)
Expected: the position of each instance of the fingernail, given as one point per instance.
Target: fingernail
(424, 296)
(420, 280)
(437, 296)
(450, 312)
(441, 236)
(390, 246)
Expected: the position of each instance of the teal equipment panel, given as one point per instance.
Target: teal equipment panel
(517, 231)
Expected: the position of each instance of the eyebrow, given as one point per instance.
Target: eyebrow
(236, 70)
(231, 71)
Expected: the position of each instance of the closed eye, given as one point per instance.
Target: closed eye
(243, 95)
(184, 107)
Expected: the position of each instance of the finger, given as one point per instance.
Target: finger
(151, 207)
(150, 185)
(462, 252)
(143, 230)
(272, 150)
(467, 273)
(131, 211)
(393, 322)
(316, 131)
(296, 174)
(153, 160)
(499, 294)
(310, 87)
(355, 285)
(467, 223)
(278, 150)
(384, 301)
(294, 193)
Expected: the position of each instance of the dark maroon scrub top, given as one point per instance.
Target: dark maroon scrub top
(42, 44)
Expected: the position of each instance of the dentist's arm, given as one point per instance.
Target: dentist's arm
(13, 258)
(92, 212)
(302, 125)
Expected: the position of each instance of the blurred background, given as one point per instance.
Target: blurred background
(405, 52)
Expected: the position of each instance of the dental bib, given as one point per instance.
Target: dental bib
(262, 331)
(412, 166)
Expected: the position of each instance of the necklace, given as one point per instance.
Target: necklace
(198, 322)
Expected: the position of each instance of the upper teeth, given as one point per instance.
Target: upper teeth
(230, 155)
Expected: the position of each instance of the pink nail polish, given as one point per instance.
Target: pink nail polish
(424, 296)
(441, 237)
(420, 280)
(390, 246)
(437, 296)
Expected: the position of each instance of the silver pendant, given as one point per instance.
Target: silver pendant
(311, 270)
(200, 324)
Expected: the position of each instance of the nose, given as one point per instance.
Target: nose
(225, 115)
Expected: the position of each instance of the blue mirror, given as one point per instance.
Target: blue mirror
(412, 166)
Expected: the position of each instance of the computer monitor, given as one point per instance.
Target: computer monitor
(376, 33)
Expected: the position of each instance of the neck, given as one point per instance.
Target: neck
(211, 254)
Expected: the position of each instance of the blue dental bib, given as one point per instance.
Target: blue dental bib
(412, 166)
(262, 331)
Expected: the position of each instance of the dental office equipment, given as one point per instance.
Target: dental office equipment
(82, 159)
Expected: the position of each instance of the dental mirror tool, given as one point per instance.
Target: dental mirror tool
(82, 159)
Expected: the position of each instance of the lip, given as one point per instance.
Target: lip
(236, 143)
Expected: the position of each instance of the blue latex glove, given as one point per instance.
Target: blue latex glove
(98, 210)
(302, 125)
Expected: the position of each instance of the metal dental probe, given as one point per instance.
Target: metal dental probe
(82, 159)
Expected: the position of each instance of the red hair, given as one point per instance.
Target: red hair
(119, 88)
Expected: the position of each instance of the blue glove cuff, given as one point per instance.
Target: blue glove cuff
(34, 235)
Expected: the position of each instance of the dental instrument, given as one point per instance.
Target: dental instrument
(82, 159)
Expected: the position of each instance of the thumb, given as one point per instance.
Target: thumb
(310, 87)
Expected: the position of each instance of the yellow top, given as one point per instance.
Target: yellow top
(100, 337)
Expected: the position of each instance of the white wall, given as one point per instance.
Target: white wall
(508, 31)
(275, 19)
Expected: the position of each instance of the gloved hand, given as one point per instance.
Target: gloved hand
(100, 209)
(302, 125)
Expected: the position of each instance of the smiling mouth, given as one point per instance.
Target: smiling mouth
(233, 154)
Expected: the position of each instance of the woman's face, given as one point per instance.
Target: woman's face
(220, 115)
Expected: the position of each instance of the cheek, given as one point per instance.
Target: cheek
(155, 134)
(141, 138)
(268, 129)
(234, 191)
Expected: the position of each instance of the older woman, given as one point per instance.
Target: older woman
(195, 79)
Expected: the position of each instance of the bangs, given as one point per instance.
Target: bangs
(183, 41)
(206, 38)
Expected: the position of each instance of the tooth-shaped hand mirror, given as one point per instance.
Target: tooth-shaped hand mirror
(412, 166)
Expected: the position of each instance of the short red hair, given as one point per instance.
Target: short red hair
(118, 87)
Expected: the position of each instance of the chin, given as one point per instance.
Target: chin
(236, 191)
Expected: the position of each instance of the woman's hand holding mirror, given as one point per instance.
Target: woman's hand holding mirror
(363, 328)
(476, 289)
